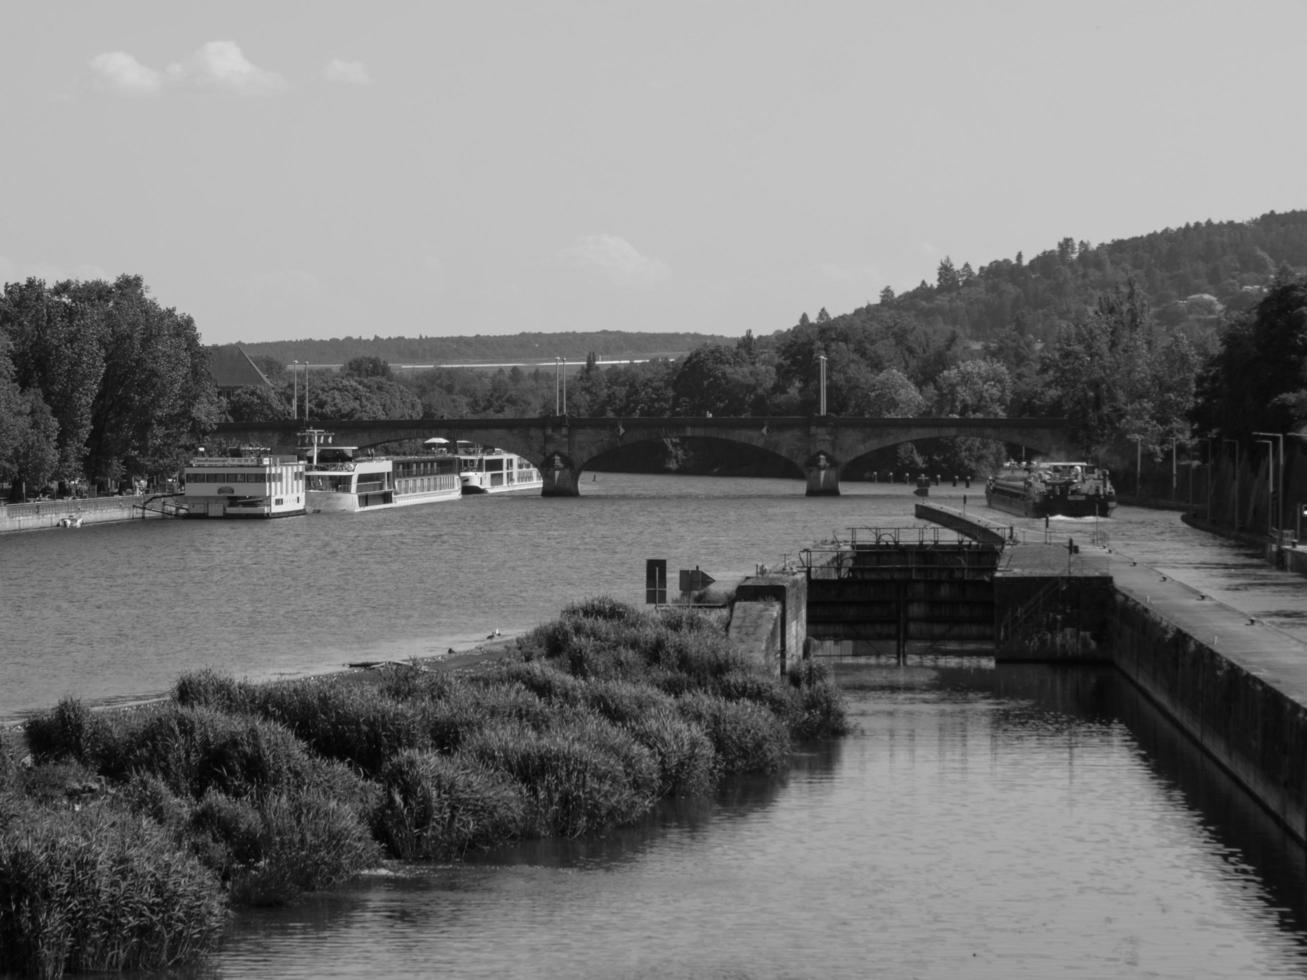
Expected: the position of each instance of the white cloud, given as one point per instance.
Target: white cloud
(222, 65)
(347, 72)
(615, 259)
(117, 71)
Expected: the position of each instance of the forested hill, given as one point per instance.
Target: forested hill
(507, 349)
(1189, 276)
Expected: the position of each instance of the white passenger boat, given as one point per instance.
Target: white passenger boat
(490, 470)
(347, 479)
(249, 481)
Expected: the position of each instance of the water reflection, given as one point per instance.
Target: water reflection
(1012, 821)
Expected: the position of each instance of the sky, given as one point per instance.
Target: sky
(287, 170)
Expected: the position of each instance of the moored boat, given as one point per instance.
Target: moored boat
(492, 470)
(345, 479)
(247, 481)
(1048, 488)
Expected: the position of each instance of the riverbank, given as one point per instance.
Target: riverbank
(75, 512)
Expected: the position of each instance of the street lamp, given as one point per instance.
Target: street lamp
(295, 398)
(564, 360)
(822, 359)
(558, 373)
(1278, 437)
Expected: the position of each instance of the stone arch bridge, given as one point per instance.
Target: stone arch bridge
(819, 447)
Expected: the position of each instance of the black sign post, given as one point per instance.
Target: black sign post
(655, 581)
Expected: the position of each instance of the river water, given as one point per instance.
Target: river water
(981, 822)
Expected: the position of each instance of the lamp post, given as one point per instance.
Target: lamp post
(306, 392)
(1279, 438)
(1270, 479)
(1235, 521)
(564, 360)
(558, 374)
(295, 380)
(821, 358)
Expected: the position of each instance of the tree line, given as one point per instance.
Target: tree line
(98, 383)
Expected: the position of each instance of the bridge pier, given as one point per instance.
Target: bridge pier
(823, 475)
(560, 476)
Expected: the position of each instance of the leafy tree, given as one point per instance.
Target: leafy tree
(367, 367)
(156, 396)
(1110, 375)
(717, 380)
(892, 395)
(1269, 344)
(257, 404)
(58, 350)
(946, 277)
(976, 388)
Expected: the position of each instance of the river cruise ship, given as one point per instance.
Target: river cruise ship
(345, 479)
(491, 470)
(1047, 489)
(249, 481)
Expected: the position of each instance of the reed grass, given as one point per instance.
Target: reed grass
(578, 779)
(256, 793)
(98, 891)
(441, 806)
(746, 737)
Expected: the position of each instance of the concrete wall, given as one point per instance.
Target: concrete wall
(782, 598)
(1258, 733)
(757, 627)
(92, 510)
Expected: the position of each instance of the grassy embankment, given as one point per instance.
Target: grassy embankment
(126, 836)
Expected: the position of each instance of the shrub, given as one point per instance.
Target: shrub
(439, 806)
(414, 683)
(207, 688)
(195, 749)
(819, 712)
(576, 780)
(542, 680)
(603, 608)
(358, 724)
(687, 762)
(625, 702)
(499, 701)
(226, 833)
(745, 684)
(99, 891)
(746, 736)
(308, 841)
(70, 730)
